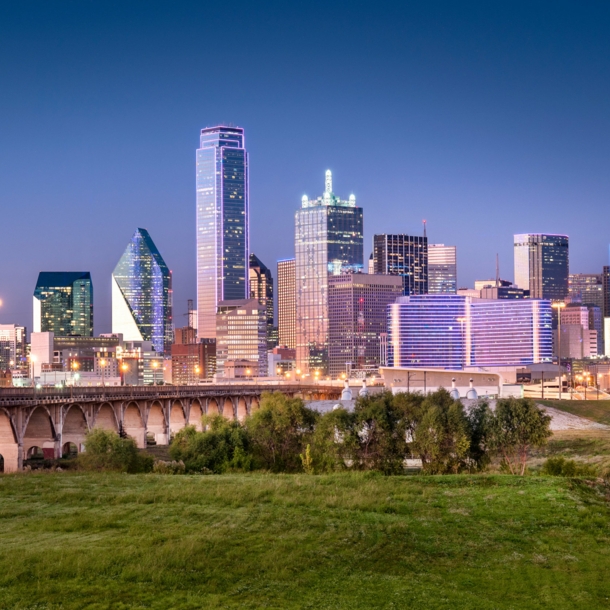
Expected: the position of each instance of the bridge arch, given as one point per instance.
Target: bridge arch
(177, 417)
(212, 407)
(40, 432)
(105, 417)
(242, 409)
(156, 425)
(75, 427)
(195, 414)
(9, 449)
(133, 423)
(228, 409)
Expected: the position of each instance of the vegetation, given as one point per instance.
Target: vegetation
(596, 410)
(106, 450)
(344, 541)
(560, 467)
(380, 434)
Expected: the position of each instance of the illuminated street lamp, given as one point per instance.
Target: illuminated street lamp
(124, 369)
(155, 366)
(559, 305)
(103, 365)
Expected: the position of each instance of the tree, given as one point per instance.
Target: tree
(334, 442)
(479, 422)
(106, 450)
(442, 435)
(279, 431)
(517, 425)
(224, 445)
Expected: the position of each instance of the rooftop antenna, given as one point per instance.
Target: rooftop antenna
(497, 271)
(425, 228)
(329, 182)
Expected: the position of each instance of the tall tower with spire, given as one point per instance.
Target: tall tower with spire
(328, 241)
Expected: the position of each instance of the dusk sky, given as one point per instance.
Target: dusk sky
(485, 118)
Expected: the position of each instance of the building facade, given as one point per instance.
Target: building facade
(193, 362)
(63, 303)
(222, 223)
(142, 294)
(403, 255)
(241, 334)
(328, 241)
(13, 348)
(286, 303)
(586, 288)
(261, 289)
(453, 332)
(357, 308)
(542, 265)
(442, 269)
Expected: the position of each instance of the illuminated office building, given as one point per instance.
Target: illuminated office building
(357, 306)
(542, 265)
(328, 241)
(142, 294)
(13, 350)
(403, 255)
(442, 269)
(286, 303)
(222, 223)
(453, 332)
(63, 303)
(261, 289)
(586, 288)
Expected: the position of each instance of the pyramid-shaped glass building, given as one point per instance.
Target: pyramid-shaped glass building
(142, 294)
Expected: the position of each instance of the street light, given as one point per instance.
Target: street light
(32, 361)
(124, 369)
(197, 371)
(559, 305)
(103, 365)
(155, 366)
(586, 381)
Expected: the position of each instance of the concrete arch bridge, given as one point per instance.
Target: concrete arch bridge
(51, 422)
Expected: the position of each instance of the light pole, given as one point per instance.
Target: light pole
(155, 366)
(124, 369)
(558, 305)
(463, 351)
(32, 362)
(197, 371)
(103, 365)
(586, 382)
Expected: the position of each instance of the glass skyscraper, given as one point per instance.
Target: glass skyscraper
(454, 331)
(261, 289)
(142, 294)
(63, 303)
(403, 255)
(222, 223)
(328, 241)
(542, 265)
(442, 269)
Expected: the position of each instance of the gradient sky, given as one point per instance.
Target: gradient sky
(484, 118)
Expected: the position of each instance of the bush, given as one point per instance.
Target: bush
(224, 446)
(173, 467)
(106, 450)
(560, 467)
(334, 442)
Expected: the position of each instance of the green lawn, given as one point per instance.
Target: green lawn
(597, 410)
(351, 541)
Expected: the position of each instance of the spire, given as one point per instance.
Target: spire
(425, 228)
(329, 182)
(497, 271)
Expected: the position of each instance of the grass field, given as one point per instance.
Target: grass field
(262, 541)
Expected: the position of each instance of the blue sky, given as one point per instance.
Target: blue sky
(486, 119)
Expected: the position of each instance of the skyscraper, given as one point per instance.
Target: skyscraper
(442, 269)
(63, 303)
(586, 288)
(222, 223)
(261, 289)
(403, 255)
(542, 265)
(286, 303)
(13, 347)
(142, 294)
(454, 331)
(328, 240)
(357, 304)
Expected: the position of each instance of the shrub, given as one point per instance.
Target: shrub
(560, 467)
(334, 442)
(106, 450)
(173, 467)
(224, 445)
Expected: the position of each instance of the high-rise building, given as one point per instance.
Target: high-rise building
(403, 255)
(442, 269)
(328, 241)
(357, 312)
(142, 294)
(542, 265)
(586, 288)
(222, 223)
(193, 362)
(261, 289)
(286, 303)
(453, 332)
(63, 303)
(581, 331)
(241, 335)
(13, 346)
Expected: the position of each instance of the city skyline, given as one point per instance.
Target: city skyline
(482, 147)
